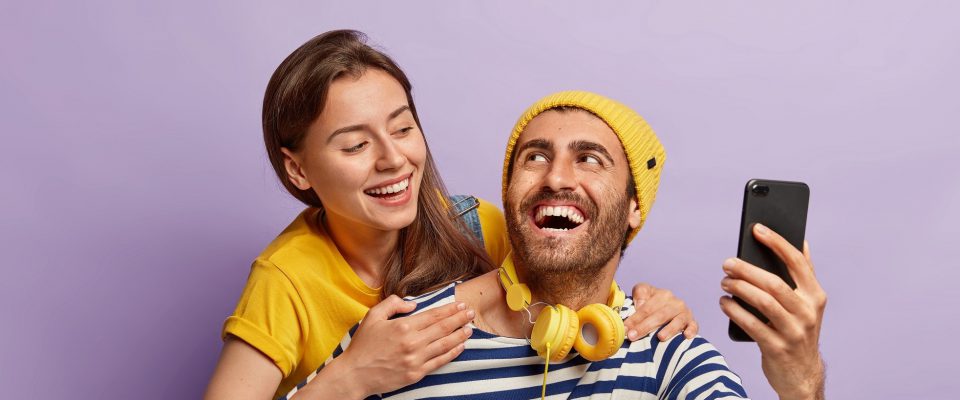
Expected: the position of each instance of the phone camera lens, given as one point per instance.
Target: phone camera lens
(760, 190)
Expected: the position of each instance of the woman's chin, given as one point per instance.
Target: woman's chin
(396, 221)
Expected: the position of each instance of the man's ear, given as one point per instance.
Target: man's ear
(293, 164)
(635, 215)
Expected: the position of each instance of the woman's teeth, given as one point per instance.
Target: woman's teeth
(389, 189)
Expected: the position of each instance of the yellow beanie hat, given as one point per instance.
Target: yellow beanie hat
(644, 152)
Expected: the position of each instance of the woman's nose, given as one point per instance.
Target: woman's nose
(390, 156)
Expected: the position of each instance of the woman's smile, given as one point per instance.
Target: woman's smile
(395, 192)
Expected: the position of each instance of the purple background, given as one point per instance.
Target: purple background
(136, 191)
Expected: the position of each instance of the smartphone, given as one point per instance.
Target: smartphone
(781, 206)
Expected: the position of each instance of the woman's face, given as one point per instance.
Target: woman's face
(364, 155)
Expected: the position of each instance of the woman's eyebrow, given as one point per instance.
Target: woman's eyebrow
(398, 111)
(360, 127)
(351, 128)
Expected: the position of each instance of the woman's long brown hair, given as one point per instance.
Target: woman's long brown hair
(432, 251)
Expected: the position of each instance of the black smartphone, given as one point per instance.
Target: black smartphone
(781, 206)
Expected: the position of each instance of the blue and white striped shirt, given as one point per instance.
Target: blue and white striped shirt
(496, 367)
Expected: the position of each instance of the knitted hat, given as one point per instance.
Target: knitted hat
(644, 152)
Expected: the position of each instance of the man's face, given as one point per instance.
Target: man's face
(566, 205)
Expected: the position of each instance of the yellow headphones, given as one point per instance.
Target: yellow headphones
(558, 328)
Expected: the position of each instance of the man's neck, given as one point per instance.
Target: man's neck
(485, 295)
(574, 290)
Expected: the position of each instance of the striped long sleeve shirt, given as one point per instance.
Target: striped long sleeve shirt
(496, 367)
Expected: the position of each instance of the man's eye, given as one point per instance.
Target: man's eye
(356, 148)
(536, 157)
(590, 159)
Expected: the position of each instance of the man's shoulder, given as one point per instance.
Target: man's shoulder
(430, 300)
(671, 348)
(680, 365)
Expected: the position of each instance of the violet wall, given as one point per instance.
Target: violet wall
(136, 191)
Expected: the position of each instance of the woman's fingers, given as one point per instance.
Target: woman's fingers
(674, 327)
(389, 307)
(661, 307)
(641, 292)
(443, 345)
(648, 316)
(434, 316)
(444, 326)
(443, 359)
(692, 329)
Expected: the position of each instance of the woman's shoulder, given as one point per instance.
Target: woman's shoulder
(302, 244)
(488, 207)
(486, 211)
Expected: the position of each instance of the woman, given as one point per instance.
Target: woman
(343, 136)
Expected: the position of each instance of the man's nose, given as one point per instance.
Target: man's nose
(560, 177)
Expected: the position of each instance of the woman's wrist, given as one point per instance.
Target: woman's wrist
(334, 381)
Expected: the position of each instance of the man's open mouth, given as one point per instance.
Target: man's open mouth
(557, 218)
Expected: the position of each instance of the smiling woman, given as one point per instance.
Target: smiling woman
(339, 121)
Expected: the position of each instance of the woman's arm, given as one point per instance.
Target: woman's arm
(243, 372)
(384, 354)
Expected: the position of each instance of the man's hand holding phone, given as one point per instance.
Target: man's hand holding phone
(789, 343)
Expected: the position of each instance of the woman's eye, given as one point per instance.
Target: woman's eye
(356, 148)
(404, 131)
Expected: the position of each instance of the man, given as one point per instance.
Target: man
(580, 175)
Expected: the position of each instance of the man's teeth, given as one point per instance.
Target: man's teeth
(389, 189)
(570, 213)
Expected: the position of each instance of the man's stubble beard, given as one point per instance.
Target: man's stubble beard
(560, 270)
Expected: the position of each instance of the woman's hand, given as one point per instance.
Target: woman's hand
(387, 354)
(655, 307)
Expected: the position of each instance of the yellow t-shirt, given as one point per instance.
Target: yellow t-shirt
(301, 296)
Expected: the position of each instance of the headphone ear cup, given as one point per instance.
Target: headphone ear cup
(518, 296)
(617, 297)
(610, 332)
(557, 325)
